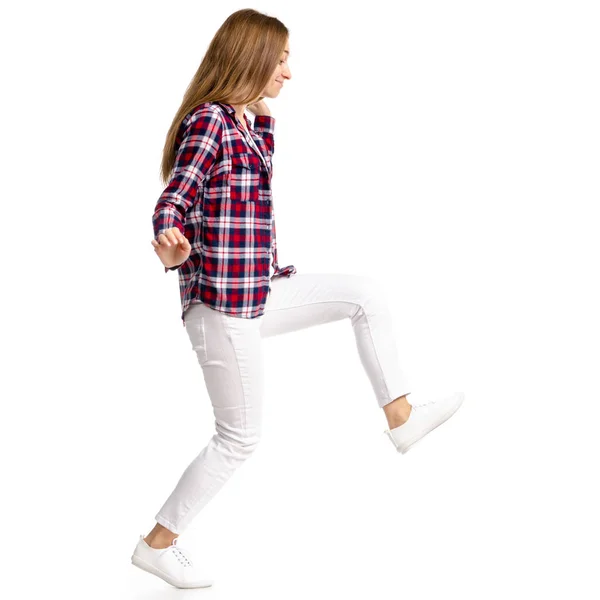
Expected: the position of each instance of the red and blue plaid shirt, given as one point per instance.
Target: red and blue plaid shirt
(219, 197)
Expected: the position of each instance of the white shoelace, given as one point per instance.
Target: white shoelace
(180, 553)
(423, 404)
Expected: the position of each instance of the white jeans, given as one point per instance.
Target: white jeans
(230, 353)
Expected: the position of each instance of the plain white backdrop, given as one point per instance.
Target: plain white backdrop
(448, 148)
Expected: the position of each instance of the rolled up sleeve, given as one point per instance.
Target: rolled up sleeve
(264, 125)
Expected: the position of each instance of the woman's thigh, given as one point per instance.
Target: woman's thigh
(229, 350)
(308, 299)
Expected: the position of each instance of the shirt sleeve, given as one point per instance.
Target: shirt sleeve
(196, 154)
(264, 125)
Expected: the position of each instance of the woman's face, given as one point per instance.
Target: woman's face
(280, 75)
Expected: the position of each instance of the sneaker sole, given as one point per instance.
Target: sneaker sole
(149, 568)
(421, 435)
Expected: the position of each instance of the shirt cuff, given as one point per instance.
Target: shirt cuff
(264, 123)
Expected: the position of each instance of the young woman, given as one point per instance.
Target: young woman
(215, 224)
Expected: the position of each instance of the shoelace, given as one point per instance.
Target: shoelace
(421, 404)
(179, 553)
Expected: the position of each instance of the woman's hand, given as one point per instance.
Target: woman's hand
(172, 247)
(259, 108)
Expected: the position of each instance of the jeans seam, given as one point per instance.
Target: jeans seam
(237, 362)
(311, 303)
(387, 389)
(204, 340)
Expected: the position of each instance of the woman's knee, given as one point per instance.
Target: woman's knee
(242, 442)
(369, 290)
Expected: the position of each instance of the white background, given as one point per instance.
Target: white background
(449, 149)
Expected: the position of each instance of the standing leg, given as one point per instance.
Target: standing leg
(229, 350)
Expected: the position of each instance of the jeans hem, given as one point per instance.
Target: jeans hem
(166, 523)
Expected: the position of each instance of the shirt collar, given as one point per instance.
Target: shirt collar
(229, 107)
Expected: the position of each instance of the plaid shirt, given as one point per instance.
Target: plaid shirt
(219, 197)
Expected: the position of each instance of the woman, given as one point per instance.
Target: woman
(215, 224)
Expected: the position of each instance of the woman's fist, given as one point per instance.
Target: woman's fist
(172, 247)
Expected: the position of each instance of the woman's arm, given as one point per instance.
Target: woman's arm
(196, 154)
(264, 124)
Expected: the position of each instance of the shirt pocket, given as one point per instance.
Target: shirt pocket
(244, 179)
(217, 182)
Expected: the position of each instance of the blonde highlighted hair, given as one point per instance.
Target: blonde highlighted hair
(238, 64)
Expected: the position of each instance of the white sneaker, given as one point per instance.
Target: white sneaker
(424, 418)
(171, 564)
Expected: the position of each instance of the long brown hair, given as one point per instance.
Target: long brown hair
(237, 66)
